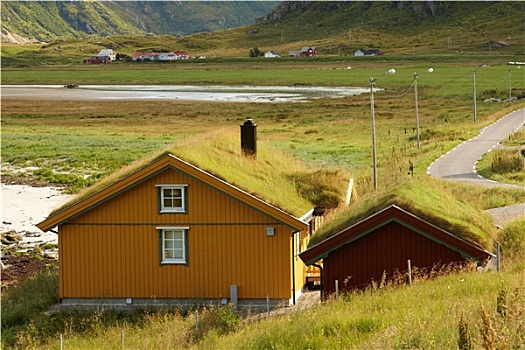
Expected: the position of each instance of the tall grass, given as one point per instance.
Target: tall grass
(425, 315)
(23, 304)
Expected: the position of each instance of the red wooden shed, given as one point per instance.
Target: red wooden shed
(384, 242)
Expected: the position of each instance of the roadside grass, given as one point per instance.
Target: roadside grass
(505, 163)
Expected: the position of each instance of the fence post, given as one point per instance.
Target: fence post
(60, 341)
(197, 321)
(498, 256)
(122, 339)
(409, 272)
(336, 289)
(268, 304)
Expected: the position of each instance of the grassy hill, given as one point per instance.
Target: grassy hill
(50, 20)
(337, 29)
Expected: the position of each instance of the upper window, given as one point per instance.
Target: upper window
(172, 198)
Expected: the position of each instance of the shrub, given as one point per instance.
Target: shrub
(512, 238)
(23, 303)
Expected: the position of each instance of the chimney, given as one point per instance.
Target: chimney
(249, 138)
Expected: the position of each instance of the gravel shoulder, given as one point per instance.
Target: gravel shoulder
(503, 215)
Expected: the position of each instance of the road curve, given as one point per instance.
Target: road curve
(459, 164)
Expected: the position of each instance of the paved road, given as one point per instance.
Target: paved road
(459, 164)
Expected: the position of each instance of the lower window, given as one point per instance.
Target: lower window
(173, 245)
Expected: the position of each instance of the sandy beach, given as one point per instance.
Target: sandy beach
(25, 206)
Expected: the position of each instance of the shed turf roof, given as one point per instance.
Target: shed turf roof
(426, 198)
(383, 217)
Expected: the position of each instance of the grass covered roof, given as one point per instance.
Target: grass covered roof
(426, 198)
(273, 176)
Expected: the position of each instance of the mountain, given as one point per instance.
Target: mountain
(25, 21)
(335, 28)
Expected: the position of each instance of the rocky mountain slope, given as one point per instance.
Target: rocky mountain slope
(32, 21)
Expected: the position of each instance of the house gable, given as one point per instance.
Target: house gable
(165, 162)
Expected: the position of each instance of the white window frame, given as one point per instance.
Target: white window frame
(184, 240)
(181, 209)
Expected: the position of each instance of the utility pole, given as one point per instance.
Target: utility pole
(474, 94)
(417, 110)
(510, 83)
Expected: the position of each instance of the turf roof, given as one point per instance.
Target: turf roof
(426, 198)
(270, 176)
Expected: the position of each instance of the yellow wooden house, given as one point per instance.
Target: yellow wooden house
(172, 233)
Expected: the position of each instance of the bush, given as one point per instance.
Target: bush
(512, 239)
(504, 161)
(23, 303)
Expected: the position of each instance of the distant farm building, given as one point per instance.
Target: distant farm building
(363, 52)
(160, 56)
(307, 51)
(107, 53)
(97, 60)
(271, 54)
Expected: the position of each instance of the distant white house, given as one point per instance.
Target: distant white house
(166, 56)
(107, 53)
(271, 54)
(363, 52)
(160, 56)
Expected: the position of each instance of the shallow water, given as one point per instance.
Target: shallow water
(179, 92)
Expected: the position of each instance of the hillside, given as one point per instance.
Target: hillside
(335, 28)
(46, 21)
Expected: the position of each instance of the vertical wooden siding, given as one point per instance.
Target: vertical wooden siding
(386, 249)
(113, 249)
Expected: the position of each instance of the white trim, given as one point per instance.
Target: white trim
(306, 218)
(173, 227)
(182, 208)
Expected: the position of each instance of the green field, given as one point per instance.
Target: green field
(79, 142)
(87, 138)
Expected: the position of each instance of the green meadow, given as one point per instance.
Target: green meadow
(78, 143)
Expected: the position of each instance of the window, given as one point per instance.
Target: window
(172, 198)
(173, 245)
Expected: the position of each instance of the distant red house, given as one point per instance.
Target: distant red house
(97, 60)
(384, 242)
(308, 51)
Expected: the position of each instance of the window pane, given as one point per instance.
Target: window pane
(177, 202)
(178, 254)
(166, 192)
(176, 192)
(174, 246)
